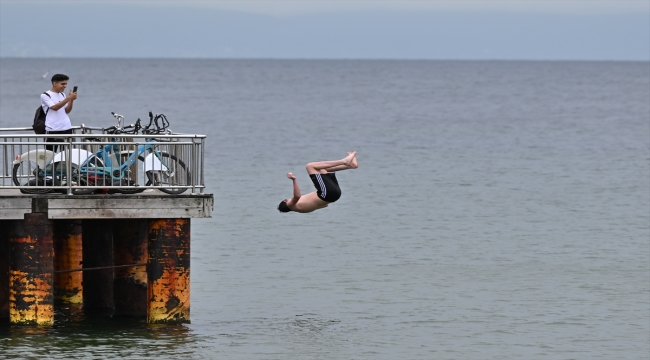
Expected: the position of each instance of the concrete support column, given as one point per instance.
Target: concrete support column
(169, 271)
(5, 227)
(97, 248)
(67, 256)
(31, 300)
(130, 285)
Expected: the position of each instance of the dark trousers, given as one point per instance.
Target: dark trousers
(54, 147)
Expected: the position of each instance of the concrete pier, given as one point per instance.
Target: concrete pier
(133, 252)
(97, 246)
(130, 284)
(169, 271)
(5, 248)
(31, 266)
(68, 255)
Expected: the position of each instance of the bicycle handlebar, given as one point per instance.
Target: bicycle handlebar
(159, 121)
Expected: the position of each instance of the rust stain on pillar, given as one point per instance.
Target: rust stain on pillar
(130, 284)
(30, 275)
(5, 226)
(169, 271)
(67, 256)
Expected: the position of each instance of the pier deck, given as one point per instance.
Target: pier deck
(151, 204)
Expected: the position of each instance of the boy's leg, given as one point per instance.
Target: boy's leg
(345, 163)
(353, 165)
(55, 147)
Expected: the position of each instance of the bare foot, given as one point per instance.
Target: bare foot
(347, 161)
(353, 164)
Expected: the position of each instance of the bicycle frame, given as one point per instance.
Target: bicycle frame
(115, 171)
(118, 172)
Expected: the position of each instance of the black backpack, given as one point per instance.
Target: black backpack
(39, 118)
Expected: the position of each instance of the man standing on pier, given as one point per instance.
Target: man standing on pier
(57, 106)
(322, 174)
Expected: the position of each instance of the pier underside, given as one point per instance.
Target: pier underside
(125, 253)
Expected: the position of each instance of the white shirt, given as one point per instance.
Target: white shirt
(56, 120)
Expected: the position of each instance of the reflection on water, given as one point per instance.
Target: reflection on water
(78, 333)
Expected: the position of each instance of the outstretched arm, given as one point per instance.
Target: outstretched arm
(296, 190)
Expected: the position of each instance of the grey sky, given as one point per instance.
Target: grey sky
(287, 7)
(425, 29)
(293, 7)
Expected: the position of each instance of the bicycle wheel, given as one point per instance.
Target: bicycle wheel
(26, 173)
(80, 181)
(134, 175)
(175, 174)
(60, 178)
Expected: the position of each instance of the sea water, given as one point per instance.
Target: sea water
(501, 209)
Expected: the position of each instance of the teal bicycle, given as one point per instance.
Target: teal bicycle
(135, 166)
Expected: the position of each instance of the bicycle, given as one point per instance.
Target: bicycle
(109, 166)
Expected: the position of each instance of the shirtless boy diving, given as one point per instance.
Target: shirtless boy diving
(324, 179)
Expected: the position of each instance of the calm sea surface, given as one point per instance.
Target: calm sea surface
(501, 210)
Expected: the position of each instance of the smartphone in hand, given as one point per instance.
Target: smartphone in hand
(74, 89)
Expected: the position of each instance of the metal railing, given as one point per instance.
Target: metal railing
(113, 163)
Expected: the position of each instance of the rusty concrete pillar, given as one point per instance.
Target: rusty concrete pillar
(169, 271)
(5, 227)
(130, 285)
(67, 256)
(31, 263)
(97, 249)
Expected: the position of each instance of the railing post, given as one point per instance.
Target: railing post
(68, 165)
(6, 157)
(202, 164)
(194, 168)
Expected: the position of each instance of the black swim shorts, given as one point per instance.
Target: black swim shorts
(327, 187)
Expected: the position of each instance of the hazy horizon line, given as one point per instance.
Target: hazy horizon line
(311, 59)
